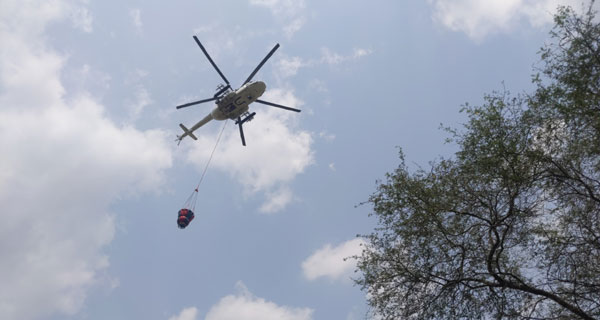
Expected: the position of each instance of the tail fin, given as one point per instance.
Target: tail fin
(187, 132)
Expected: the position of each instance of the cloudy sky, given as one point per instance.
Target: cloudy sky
(91, 179)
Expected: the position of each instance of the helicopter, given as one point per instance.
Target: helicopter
(232, 104)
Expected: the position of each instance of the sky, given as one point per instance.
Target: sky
(91, 178)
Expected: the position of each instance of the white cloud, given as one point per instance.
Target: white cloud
(289, 12)
(331, 262)
(319, 85)
(206, 28)
(277, 200)
(479, 18)
(330, 57)
(294, 26)
(142, 99)
(285, 8)
(63, 167)
(275, 154)
(86, 78)
(245, 306)
(361, 52)
(186, 314)
(63, 164)
(136, 19)
(288, 67)
(223, 41)
(82, 19)
(329, 137)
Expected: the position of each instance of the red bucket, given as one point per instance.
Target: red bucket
(184, 218)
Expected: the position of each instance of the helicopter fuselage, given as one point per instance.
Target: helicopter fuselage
(235, 103)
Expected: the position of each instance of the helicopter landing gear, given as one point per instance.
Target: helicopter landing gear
(247, 117)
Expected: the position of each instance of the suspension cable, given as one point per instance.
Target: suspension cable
(191, 200)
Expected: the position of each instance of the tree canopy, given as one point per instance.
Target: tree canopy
(509, 227)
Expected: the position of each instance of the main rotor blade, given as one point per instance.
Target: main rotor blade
(240, 123)
(211, 61)
(196, 102)
(276, 105)
(261, 64)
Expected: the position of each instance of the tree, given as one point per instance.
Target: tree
(510, 226)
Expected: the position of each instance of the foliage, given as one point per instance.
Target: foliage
(510, 226)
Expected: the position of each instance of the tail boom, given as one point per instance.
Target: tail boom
(189, 132)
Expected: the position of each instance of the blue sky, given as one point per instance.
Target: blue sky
(91, 179)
